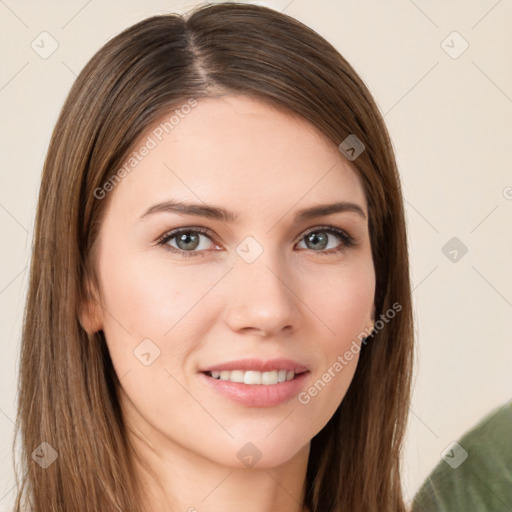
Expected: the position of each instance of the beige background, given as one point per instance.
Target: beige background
(451, 124)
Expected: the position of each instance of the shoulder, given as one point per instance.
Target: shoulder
(475, 474)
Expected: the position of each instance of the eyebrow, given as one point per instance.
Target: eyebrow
(219, 213)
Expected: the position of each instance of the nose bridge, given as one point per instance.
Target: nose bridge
(262, 298)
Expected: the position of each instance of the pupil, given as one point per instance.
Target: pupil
(313, 237)
(183, 238)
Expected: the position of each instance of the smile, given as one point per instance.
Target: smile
(253, 377)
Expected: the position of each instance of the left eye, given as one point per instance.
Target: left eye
(319, 238)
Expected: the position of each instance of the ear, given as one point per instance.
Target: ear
(91, 313)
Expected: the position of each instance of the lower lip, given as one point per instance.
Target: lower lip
(257, 395)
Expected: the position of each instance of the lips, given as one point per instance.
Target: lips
(261, 395)
(252, 382)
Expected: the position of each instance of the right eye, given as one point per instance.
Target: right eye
(187, 240)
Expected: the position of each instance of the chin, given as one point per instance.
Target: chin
(259, 451)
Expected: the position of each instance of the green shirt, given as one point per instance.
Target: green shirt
(480, 482)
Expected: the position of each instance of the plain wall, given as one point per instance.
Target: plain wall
(450, 120)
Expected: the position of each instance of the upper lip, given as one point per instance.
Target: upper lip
(260, 365)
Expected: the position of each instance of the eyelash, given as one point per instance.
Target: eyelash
(347, 240)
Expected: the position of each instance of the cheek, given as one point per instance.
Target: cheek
(154, 318)
(150, 298)
(344, 305)
(342, 300)
(156, 301)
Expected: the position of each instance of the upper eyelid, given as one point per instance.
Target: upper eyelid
(195, 229)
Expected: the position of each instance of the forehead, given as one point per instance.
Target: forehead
(238, 152)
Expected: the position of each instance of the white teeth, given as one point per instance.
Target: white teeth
(250, 377)
(237, 376)
(269, 377)
(253, 377)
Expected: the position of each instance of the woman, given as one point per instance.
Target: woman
(219, 310)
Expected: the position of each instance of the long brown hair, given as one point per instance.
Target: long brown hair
(67, 384)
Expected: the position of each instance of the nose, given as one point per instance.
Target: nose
(260, 297)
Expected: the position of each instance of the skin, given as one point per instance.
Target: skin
(293, 301)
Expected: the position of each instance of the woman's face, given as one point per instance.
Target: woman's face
(253, 282)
